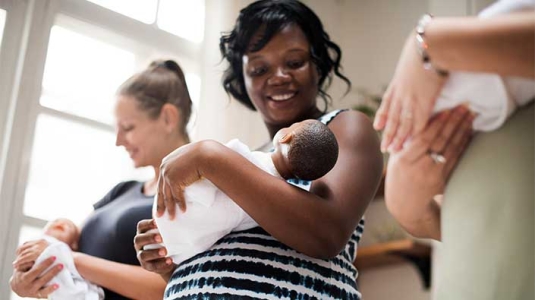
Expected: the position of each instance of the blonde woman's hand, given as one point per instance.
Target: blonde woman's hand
(27, 253)
(409, 99)
(32, 283)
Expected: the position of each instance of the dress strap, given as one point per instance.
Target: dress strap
(328, 117)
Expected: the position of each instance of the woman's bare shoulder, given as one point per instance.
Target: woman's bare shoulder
(353, 127)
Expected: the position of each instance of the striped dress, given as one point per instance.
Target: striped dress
(251, 264)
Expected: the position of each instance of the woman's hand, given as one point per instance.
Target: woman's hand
(27, 253)
(32, 283)
(419, 172)
(178, 170)
(409, 99)
(153, 260)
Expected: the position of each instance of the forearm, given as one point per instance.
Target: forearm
(504, 44)
(317, 223)
(127, 280)
(267, 200)
(419, 217)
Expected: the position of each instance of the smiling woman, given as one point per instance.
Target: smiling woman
(280, 61)
(152, 110)
(281, 77)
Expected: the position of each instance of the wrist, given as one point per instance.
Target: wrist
(77, 257)
(208, 152)
(422, 46)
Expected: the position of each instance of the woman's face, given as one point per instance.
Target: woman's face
(142, 137)
(281, 79)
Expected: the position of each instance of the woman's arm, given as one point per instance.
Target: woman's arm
(127, 280)
(503, 44)
(413, 179)
(319, 223)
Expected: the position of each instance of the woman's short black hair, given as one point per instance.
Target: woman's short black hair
(272, 16)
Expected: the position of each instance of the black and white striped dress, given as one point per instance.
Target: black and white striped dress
(252, 264)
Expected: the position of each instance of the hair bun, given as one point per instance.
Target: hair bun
(169, 65)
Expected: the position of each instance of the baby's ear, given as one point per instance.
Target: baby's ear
(74, 246)
(287, 138)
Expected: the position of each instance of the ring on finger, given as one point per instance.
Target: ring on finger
(437, 157)
(406, 114)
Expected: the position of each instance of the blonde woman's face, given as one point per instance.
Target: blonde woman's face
(142, 137)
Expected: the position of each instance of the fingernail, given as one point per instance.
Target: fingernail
(55, 286)
(54, 258)
(60, 266)
(471, 118)
(161, 252)
(158, 238)
(168, 261)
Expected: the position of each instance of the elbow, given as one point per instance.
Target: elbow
(155, 293)
(424, 231)
(420, 223)
(409, 223)
(327, 246)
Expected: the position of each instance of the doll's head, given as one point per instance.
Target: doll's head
(306, 150)
(64, 230)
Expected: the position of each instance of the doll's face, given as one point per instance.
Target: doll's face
(64, 230)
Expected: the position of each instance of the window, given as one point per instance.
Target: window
(80, 78)
(72, 166)
(184, 18)
(82, 74)
(2, 23)
(84, 56)
(141, 10)
(26, 233)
